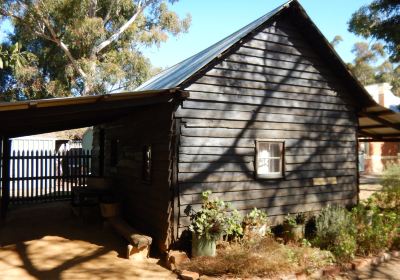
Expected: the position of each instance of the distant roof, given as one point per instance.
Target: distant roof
(175, 75)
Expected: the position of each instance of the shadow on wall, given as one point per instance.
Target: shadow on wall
(323, 126)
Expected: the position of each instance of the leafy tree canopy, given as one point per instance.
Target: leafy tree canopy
(83, 47)
(370, 65)
(379, 20)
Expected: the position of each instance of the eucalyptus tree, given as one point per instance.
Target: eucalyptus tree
(84, 47)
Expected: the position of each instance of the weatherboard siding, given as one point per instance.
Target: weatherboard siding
(274, 86)
(146, 205)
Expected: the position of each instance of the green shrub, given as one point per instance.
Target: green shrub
(256, 217)
(234, 225)
(336, 232)
(215, 219)
(390, 195)
(376, 229)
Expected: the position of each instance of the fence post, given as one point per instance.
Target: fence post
(5, 190)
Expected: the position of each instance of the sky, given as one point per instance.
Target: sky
(212, 20)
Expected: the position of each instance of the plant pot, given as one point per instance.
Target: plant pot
(201, 246)
(298, 232)
(294, 233)
(109, 210)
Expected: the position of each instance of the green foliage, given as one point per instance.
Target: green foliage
(375, 229)
(234, 227)
(214, 220)
(365, 67)
(87, 47)
(336, 232)
(256, 217)
(379, 20)
(389, 197)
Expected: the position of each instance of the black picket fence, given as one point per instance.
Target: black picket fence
(37, 176)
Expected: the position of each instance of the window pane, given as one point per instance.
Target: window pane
(269, 158)
(275, 150)
(263, 166)
(275, 165)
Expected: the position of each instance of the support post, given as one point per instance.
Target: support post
(101, 152)
(5, 176)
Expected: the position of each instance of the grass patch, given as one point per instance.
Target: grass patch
(263, 257)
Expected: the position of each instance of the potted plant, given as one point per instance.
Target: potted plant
(294, 226)
(256, 223)
(208, 225)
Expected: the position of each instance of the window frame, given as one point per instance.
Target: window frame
(279, 175)
(147, 163)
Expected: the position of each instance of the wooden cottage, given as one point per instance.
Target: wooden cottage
(265, 118)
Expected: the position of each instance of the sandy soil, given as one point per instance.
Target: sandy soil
(48, 242)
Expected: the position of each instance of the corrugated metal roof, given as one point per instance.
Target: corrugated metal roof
(175, 75)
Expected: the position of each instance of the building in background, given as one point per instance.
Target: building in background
(376, 156)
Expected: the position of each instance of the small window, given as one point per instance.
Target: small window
(146, 176)
(269, 159)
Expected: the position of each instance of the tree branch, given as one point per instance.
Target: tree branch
(61, 44)
(118, 33)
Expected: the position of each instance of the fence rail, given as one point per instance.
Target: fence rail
(46, 175)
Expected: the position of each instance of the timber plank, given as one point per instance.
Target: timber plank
(196, 188)
(259, 116)
(238, 176)
(199, 157)
(263, 134)
(268, 78)
(265, 89)
(260, 69)
(217, 166)
(200, 123)
(187, 199)
(250, 143)
(281, 48)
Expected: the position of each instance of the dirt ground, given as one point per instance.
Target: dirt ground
(48, 242)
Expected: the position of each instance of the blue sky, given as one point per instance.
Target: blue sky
(213, 20)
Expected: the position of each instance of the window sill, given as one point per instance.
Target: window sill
(269, 176)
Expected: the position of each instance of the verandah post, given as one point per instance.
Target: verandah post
(5, 176)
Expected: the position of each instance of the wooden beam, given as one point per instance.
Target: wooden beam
(379, 140)
(5, 176)
(372, 126)
(377, 118)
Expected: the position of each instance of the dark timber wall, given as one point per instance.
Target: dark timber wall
(146, 206)
(274, 86)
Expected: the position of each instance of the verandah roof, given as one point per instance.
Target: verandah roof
(377, 123)
(47, 115)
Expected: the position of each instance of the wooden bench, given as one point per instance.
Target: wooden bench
(139, 244)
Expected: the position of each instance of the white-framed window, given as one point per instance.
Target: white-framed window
(269, 159)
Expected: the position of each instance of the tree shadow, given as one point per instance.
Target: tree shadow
(282, 87)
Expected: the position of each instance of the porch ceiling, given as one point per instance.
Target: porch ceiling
(40, 116)
(377, 123)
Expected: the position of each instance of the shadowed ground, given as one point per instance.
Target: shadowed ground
(47, 242)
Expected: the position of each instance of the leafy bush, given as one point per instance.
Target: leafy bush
(256, 217)
(374, 229)
(234, 225)
(256, 223)
(390, 195)
(336, 232)
(215, 220)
